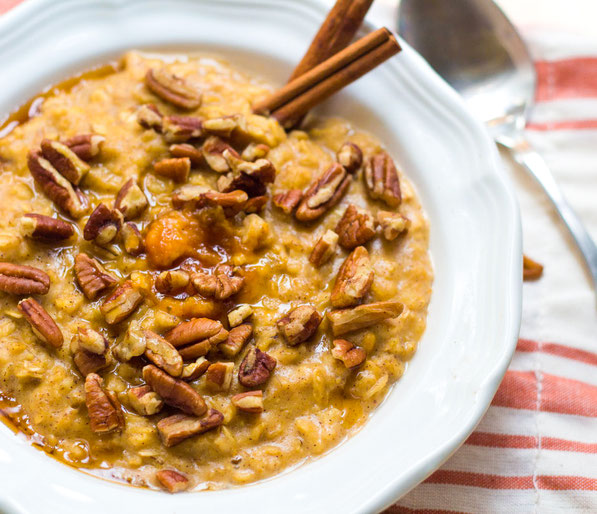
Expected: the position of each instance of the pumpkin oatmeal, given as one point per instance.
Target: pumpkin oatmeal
(191, 296)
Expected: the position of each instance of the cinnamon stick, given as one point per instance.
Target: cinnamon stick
(337, 30)
(294, 100)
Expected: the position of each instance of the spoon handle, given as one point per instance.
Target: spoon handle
(528, 158)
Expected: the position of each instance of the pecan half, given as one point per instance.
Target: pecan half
(350, 156)
(130, 200)
(254, 151)
(354, 279)
(105, 413)
(195, 369)
(350, 355)
(67, 162)
(45, 228)
(324, 193)
(255, 204)
(531, 270)
(196, 329)
(172, 481)
(132, 239)
(288, 200)
(177, 168)
(299, 324)
(150, 117)
(68, 199)
(251, 177)
(324, 249)
(237, 338)
(221, 285)
(132, 344)
(177, 428)
(251, 401)
(196, 350)
(188, 196)
(172, 282)
(175, 392)
(239, 314)
(172, 89)
(232, 202)
(103, 225)
(381, 179)
(159, 351)
(86, 146)
(144, 400)
(42, 324)
(220, 126)
(355, 227)
(121, 303)
(219, 375)
(92, 277)
(190, 151)
(19, 279)
(88, 362)
(256, 368)
(362, 316)
(213, 149)
(178, 129)
(392, 224)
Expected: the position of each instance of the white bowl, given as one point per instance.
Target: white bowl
(475, 243)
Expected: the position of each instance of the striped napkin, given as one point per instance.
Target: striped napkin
(536, 448)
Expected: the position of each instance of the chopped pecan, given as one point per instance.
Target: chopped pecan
(254, 151)
(531, 270)
(324, 249)
(105, 413)
(196, 350)
(350, 156)
(42, 324)
(172, 481)
(239, 314)
(255, 204)
(189, 196)
(172, 282)
(195, 369)
(177, 428)
(175, 392)
(348, 353)
(130, 200)
(251, 177)
(56, 187)
(324, 193)
(354, 279)
(355, 227)
(92, 277)
(288, 200)
(159, 351)
(67, 162)
(132, 344)
(255, 368)
(144, 400)
(299, 324)
(132, 239)
(89, 340)
(232, 202)
(178, 129)
(45, 228)
(190, 151)
(121, 303)
(392, 224)
(213, 150)
(237, 338)
(149, 116)
(88, 362)
(19, 279)
(221, 285)
(356, 318)
(219, 375)
(251, 401)
(103, 225)
(177, 168)
(196, 329)
(220, 126)
(172, 89)
(86, 146)
(381, 179)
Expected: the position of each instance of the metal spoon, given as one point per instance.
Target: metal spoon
(475, 48)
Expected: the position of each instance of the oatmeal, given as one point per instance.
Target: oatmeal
(192, 297)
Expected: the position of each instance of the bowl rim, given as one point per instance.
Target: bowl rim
(32, 12)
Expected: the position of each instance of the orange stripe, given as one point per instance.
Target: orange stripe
(560, 350)
(563, 125)
(397, 509)
(566, 396)
(568, 78)
(553, 443)
(5, 5)
(518, 390)
(566, 483)
(469, 478)
(491, 440)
